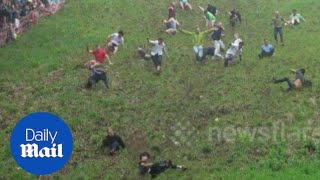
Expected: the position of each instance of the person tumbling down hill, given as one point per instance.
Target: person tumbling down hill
(157, 49)
(114, 41)
(154, 169)
(99, 54)
(185, 5)
(299, 81)
(295, 18)
(113, 142)
(171, 25)
(234, 50)
(97, 74)
(267, 49)
(197, 40)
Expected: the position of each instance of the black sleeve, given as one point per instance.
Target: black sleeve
(121, 142)
(106, 142)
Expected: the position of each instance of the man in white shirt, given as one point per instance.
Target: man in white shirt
(114, 40)
(295, 18)
(157, 49)
(234, 50)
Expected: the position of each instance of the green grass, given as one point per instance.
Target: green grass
(38, 73)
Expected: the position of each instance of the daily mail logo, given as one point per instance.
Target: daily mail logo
(41, 143)
(32, 150)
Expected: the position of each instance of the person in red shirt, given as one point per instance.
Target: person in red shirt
(99, 54)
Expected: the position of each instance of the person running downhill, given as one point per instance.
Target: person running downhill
(216, 39)
(99, 54)
(114, 41)
(277, 23)
(234, 50)
(97, 74)
(198, 41)
(157, 49)
(209, 18)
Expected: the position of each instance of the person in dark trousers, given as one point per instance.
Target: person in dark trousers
(278, 23)
(154, 169)
(113, 142)
(234, 17)
(298, 83)
(157, 49)
(97, 74)
(207, 51)
(267, 49)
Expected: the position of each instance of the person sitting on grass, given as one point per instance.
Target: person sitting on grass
(114, 41)
(267, 50)
(197, 40)
(97, 74)
(298, 83)
(295, 18)
(171, 25)
(157, 49)
(99, 54)
(234, 50)
(185, 5)
(209, 18)
(154, 169)
(112, 142)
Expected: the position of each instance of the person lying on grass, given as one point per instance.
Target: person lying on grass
(99, 55)
(154, 169)
(267, 49)
(112, 142)
(171, 25)
(197, 40)
(185, 5)
(234, 51)
(298, 82)
(114, 41)
(157, 49)
(97, 74)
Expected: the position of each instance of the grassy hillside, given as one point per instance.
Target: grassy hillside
(264, 132)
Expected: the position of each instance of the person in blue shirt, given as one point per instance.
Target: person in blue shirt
(267, 50)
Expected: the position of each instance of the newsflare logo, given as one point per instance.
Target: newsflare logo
(41, 143)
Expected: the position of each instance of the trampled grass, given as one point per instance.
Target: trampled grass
(188, 103)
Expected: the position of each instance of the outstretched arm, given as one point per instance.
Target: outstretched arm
(302, 18)
(185, 31)
(202, 9)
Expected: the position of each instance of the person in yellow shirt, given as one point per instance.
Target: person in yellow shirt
(197, 40)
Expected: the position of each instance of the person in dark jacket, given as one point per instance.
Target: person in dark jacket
(97, 74)
(299, 81)
(154, 169)
(113, 142)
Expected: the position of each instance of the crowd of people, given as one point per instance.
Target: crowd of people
(17, 15)
(12, 12)
(213, 29)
